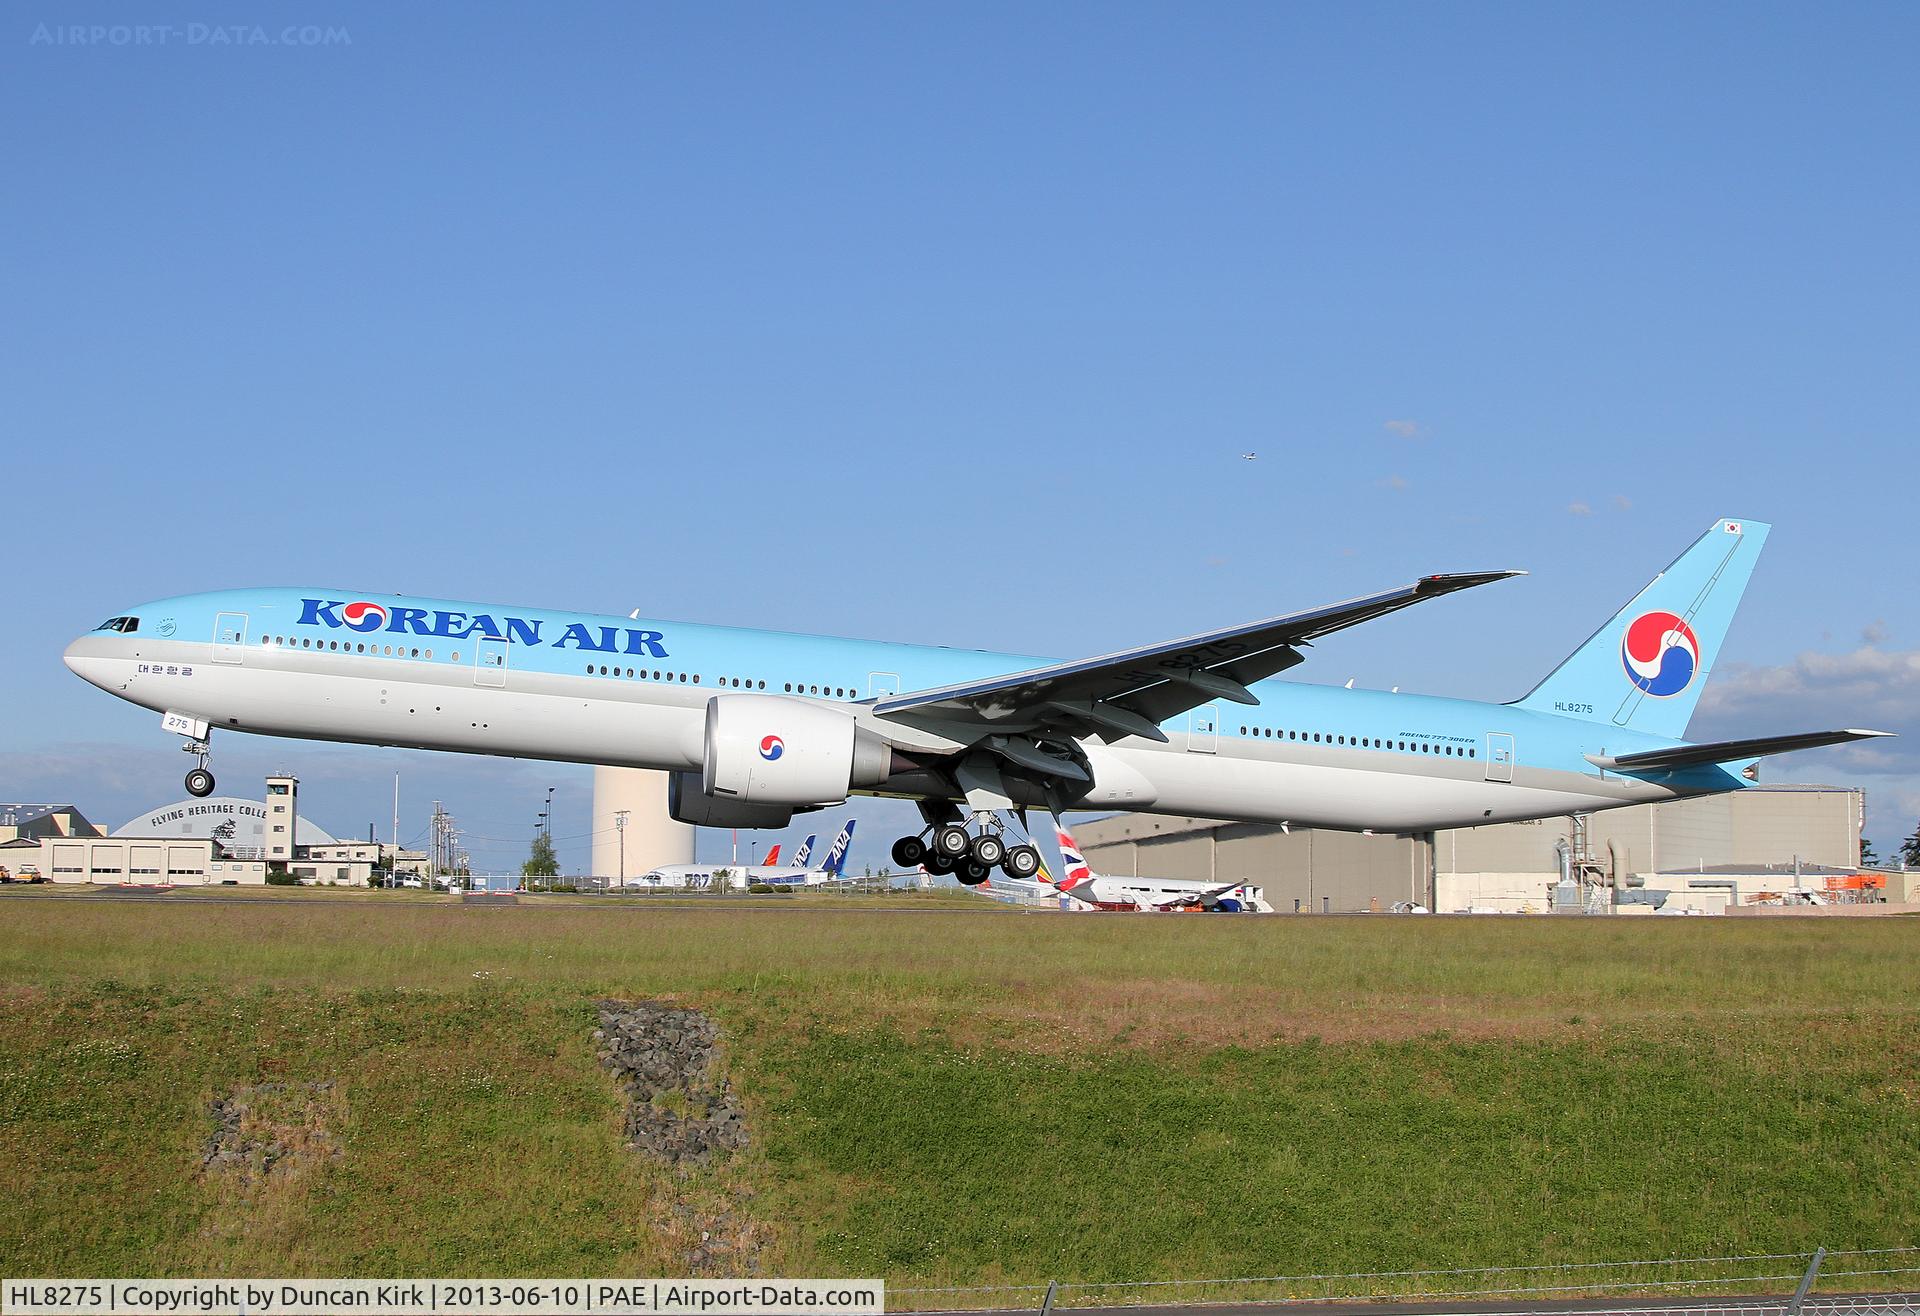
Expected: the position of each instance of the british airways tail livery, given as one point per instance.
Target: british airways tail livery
(756, 726)
(1073, 867)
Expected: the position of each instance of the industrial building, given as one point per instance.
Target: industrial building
(1706, 854)
(632, 831)
(225, 840)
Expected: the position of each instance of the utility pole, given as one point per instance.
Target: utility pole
(548, 815)
(620, 825)
(436, 840)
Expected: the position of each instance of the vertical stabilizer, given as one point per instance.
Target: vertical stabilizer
(1645, 669)
(1073, 868)
(835, 864)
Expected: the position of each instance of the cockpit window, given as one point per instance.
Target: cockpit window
(125, 625)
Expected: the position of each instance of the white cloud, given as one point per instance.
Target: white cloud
(1874, 632)
(1622, 503)
(1406, 429)
(1868, 687)
(1395, 482)
(1579, 509)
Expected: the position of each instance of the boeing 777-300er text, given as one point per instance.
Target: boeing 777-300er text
(755, 726)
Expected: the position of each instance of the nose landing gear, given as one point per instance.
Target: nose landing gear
(199, 738)
(199, 780)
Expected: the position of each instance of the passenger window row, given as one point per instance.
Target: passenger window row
(349, 646)
(642, 674)
(600, 669)
(1360, 742)
(724, 682)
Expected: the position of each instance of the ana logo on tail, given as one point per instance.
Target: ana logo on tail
(1661, 653)
(804, 853)
(836, 861)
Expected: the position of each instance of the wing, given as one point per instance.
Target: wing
(1725, 751)
(1129, 693)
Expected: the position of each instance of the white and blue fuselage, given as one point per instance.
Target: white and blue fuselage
(532, 683)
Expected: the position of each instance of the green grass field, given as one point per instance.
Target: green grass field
(961, 1096)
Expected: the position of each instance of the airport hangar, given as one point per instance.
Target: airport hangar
(1708, 853)
(213, 841)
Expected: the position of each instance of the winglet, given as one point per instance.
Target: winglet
(1431, 586)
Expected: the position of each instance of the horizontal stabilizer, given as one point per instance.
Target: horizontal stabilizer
(1725, 751)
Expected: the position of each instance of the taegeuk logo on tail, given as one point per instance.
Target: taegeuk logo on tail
(1661, 653)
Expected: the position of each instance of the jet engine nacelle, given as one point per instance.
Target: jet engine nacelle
(687, 803)
(763, 749)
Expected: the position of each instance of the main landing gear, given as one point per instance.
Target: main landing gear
(948, 847)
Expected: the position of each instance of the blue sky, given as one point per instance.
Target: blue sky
(950, 324)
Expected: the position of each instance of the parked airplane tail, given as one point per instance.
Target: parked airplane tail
(1646, 667)
(804, 853)
(835, 864)
(1043, 875)
(1074, 869)
(773, 856)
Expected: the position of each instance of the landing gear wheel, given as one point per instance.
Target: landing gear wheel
(1022, 861)
(909, 852)
(972, 872)
(199, 783)
(937, 864)
(950, 841)
(988, 850)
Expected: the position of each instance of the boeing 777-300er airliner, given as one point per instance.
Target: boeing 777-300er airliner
(755, 726)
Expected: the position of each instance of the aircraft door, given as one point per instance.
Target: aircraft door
(882, 684)
(1499, 756)
(229, 637)
(1203, 729)
(490, 661)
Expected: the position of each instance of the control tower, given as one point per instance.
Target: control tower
(651, 838)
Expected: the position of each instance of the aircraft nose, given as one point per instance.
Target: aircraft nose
(83, 659)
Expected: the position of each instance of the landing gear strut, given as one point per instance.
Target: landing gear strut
(199, 780)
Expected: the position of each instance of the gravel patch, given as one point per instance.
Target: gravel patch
(663, 1057)
(270, 1132)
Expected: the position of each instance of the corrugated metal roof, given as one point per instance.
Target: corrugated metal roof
(19, 815)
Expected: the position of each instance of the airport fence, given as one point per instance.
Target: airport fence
(1860, 1282)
